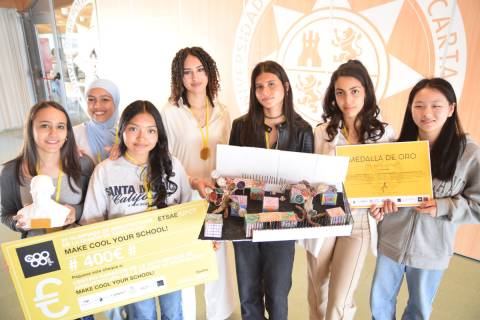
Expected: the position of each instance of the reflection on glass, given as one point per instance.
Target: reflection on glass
(77, 29)
(50, 69)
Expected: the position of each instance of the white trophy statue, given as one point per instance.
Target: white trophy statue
(44, 212)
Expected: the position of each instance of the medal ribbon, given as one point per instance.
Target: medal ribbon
(59, 181)
(345, 133)
(146, 184)
(203, 135)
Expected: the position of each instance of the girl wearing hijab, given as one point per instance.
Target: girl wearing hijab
(96, 136)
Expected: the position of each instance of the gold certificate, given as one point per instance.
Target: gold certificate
(81, 271)
(396, 171)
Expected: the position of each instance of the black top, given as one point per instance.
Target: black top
(301, 142)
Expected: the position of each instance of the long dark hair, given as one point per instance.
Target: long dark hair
(29, 158)
(159, 169)
(177, 90)
(254, 130)
(366, 124)
(451, 141)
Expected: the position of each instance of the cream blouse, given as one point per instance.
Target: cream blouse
(185, 140)
(322, 146)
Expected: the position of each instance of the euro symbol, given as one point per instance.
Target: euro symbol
(44, 300)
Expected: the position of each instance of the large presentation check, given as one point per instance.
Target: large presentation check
(396, 171)
(86, 270)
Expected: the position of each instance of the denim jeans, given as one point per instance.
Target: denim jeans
(387, 280)
(264, 269)
(117, 313)
(170, 307)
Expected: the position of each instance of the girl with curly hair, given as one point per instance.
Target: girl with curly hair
(195, 122)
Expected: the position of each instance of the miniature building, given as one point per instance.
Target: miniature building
(270, 204)
(258, 221)
(213, 225)
(252, 223)
(337, 216)
(329, 198)
(237, 202)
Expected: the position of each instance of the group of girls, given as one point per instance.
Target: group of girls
(164, 155)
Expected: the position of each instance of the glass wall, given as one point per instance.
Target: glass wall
(65, 33)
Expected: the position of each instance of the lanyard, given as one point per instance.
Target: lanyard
(345, 134)
(146, 184)
(59, 181)
(57, 192)
(205, 151)
(267, 139)
(99, 157)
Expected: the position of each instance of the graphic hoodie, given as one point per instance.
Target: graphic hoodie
(116, 189)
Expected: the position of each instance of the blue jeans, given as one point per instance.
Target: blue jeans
(116, 313)
(264, 269)
(387, 280)
(170, 307)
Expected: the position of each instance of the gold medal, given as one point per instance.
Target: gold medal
(205, 153)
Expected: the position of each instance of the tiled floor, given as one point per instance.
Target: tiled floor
(457, 299)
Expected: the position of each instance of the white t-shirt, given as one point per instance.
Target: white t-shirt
(116, 189)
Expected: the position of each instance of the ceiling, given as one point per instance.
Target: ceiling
(62, 9)
(22, 5)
